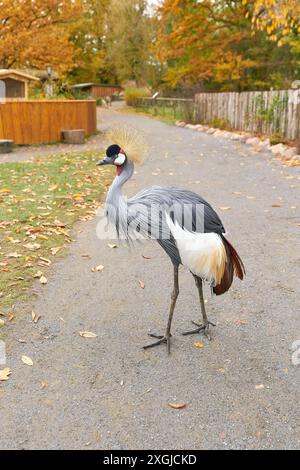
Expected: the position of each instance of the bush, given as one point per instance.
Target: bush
(276, 138)
(132, 95)
(220, 123)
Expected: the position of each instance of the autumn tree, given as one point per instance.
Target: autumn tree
(129, 40)
(90, 38)
(34, 33)
(279, 18)
(212, 43)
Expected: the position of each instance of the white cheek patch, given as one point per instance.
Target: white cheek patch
(120, 159)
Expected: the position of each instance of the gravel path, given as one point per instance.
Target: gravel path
(241, 390)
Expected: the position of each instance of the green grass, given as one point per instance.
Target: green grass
(162, 114)
(39, 203)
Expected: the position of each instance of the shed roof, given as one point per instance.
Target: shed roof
(16, 75)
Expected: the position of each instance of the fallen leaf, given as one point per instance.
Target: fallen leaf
(224, 208)
(259, 387)
(100, 267)
(111, 245)
(27, 360)
(45, 260)
(2, 322)
(177, 406)
(146, 257)
(87, 334)
(35, 318)
(55, 250)
(199, 344)
(142, 284)
(5, 373)
(38, 274)
(32, 246)
(276, 205)
(13, 255)
(43, 280)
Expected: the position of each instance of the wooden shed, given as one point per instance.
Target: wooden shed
(97, 90)
(15, 84)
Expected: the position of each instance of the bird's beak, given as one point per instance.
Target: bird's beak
(102, 162)
(105, 161)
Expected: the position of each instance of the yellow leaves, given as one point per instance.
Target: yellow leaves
(43, 280)
(177, 406)
(100, 267)
(27, 360)
(13, 255)
(111, 245)
(55, 250)
(87, 334)
(35, 317)
(4, 374)
(5, 191)
(32, 246)
(199, 344)
(259, 387)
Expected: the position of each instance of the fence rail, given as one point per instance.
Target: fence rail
(181, 108)
(37, 121)
(267, 112)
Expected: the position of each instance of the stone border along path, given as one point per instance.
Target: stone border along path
(289, 155)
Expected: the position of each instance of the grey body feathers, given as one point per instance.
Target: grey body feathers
(145, 213)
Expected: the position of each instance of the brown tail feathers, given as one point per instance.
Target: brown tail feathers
(234, 265)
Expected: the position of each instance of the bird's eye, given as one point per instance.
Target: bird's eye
(120, 159)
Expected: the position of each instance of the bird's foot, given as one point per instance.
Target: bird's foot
(204, 327)
(161, 339)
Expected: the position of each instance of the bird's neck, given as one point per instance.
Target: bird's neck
(115, 191)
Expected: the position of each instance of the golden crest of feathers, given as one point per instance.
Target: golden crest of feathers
(130, 140)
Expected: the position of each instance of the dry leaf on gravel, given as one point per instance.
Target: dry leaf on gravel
(199, 344)
(55, 250)
(111, 245)
(259, 387)
(142, 284)
(4, 374)
(35, 317)
(100, 267)
(225, 208)
(27, 360)
(146, 257)
(177, 406)
(87, 334)
(38, 274)
(43, 280)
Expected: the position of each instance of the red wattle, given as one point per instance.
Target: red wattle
(119, 169)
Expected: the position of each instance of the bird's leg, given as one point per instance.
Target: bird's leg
(167, 336)
(205, 325)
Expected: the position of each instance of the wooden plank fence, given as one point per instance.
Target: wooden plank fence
(266, 112)
(37, 121)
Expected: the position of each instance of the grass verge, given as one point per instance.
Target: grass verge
(39, 203)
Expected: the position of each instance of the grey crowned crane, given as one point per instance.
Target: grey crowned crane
(181, 221)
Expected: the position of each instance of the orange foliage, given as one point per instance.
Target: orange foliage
(36, 32)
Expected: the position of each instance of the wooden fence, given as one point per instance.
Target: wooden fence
(178, 108)
(267, 112)
(37, 122)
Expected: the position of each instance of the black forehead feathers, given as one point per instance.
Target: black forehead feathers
(113, 150)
